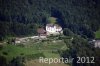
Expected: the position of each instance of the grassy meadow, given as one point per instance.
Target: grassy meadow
(97, 34)
(31, 48)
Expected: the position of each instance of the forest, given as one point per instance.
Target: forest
(23, 17)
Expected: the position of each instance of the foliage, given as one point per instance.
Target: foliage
(18, 18)
(18, 61)
(79, 47)
(97, 34)
(23, 17)
(68, 32)
(52, 20)
(3, 61)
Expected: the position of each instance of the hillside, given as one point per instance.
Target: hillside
(28, 53)
(23, 17)
(32, 50)
(79, 21)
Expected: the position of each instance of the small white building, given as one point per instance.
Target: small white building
(17, 40)
(21, 40)
(53, 29)
(97, 43)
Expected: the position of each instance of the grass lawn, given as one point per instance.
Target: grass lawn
(97, 34)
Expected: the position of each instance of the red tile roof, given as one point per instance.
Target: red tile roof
(41, 30)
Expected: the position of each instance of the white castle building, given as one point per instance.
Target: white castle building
(53, 29)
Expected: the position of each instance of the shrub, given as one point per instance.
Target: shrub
(1, 47)
(5, 53)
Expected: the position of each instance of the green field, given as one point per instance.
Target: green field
(97, 34)
(12, 51)
(47, 48)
